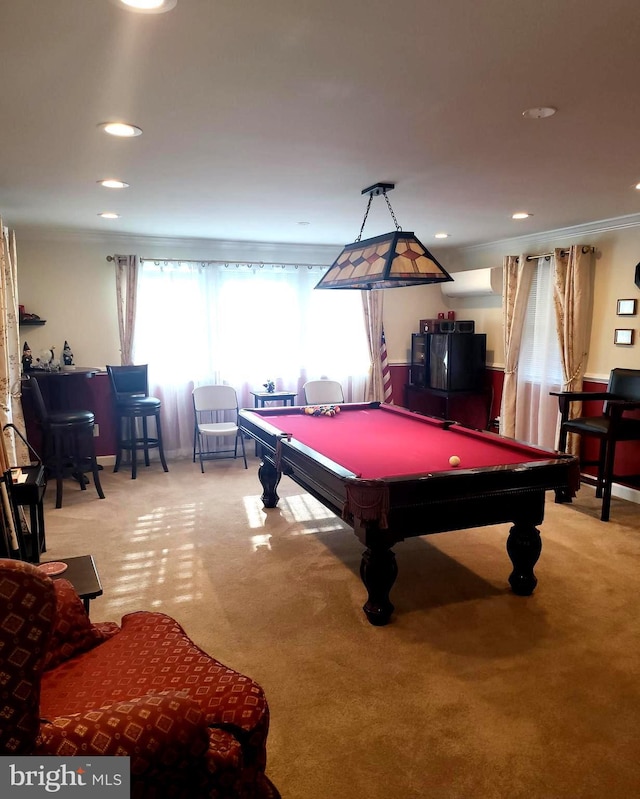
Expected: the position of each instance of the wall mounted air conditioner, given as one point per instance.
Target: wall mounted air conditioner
(474, 283)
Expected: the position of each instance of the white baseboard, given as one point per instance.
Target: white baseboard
(625, 492)
(617, 490)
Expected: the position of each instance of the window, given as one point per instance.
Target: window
(243, 325)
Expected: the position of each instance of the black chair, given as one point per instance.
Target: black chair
(68, 448)
(612, 425)
(132, 404)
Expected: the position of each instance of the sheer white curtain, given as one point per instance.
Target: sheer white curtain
(539, 365)
(242, 325)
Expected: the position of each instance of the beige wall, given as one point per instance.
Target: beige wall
(617, 253)
(66, 279)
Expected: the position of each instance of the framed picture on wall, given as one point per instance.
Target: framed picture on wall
(627, 307)
(623, 336)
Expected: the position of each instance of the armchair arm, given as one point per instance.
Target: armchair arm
(163, 731)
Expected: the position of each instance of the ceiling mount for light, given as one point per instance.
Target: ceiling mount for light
(542, 112)
(392, 260)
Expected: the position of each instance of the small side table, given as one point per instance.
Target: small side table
(31, 494)
(83, 576)
(260, 398)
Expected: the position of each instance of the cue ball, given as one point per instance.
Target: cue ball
(454, 460)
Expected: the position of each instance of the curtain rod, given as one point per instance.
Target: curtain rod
(225, 263)
(562, 252)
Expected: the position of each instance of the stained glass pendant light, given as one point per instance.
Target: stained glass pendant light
(392, 260)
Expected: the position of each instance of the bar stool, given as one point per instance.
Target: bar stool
(130, 389)
(68, 445)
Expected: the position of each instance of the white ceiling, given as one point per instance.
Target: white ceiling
(260, 115)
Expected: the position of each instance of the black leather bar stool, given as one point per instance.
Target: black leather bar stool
(67, 443)
(130, 389)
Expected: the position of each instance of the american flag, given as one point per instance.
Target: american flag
(386, 371)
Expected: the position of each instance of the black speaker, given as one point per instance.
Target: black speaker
(451, 326)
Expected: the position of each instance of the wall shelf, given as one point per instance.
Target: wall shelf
(32, 322)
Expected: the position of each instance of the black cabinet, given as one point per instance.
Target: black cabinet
(448, 377)
(470, 408)
(448, 361)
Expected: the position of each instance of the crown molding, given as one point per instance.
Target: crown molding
(549, 236)
(168, 247)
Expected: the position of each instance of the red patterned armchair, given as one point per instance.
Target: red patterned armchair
(191, 726)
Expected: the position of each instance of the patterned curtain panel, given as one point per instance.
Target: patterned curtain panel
(373, 304)
(14, 452)
(572, 300)
(127, 267)
(517, 281)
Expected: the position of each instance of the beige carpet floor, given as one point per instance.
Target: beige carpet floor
(470, 693)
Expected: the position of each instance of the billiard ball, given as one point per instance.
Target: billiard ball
(454, 460)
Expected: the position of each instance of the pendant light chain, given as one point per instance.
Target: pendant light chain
(366, 213)
(393, 216)
(364, 221)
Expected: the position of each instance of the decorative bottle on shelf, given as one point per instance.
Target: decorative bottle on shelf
(67, 355)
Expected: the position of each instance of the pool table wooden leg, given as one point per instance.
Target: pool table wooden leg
(378, 570)
(524, 547)
(269, 477)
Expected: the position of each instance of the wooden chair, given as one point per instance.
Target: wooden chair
(211, 404)
(322, 392)
(612, 425)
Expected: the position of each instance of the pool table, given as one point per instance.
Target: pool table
(386, 472)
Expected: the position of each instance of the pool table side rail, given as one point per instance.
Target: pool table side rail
(425, 503)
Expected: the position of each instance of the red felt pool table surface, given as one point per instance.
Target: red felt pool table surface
(390, 442)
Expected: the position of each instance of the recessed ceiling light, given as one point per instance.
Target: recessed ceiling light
(638, 186)
(109, 215)
(539, 113)
(521, 215)
(112, 183)
(146, 6)
(442, 236)
(122, 129)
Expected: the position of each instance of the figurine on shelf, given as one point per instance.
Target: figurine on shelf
(270, 386)
(27, 358)
(67, 355)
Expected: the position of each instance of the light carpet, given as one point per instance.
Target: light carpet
(470, 693)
